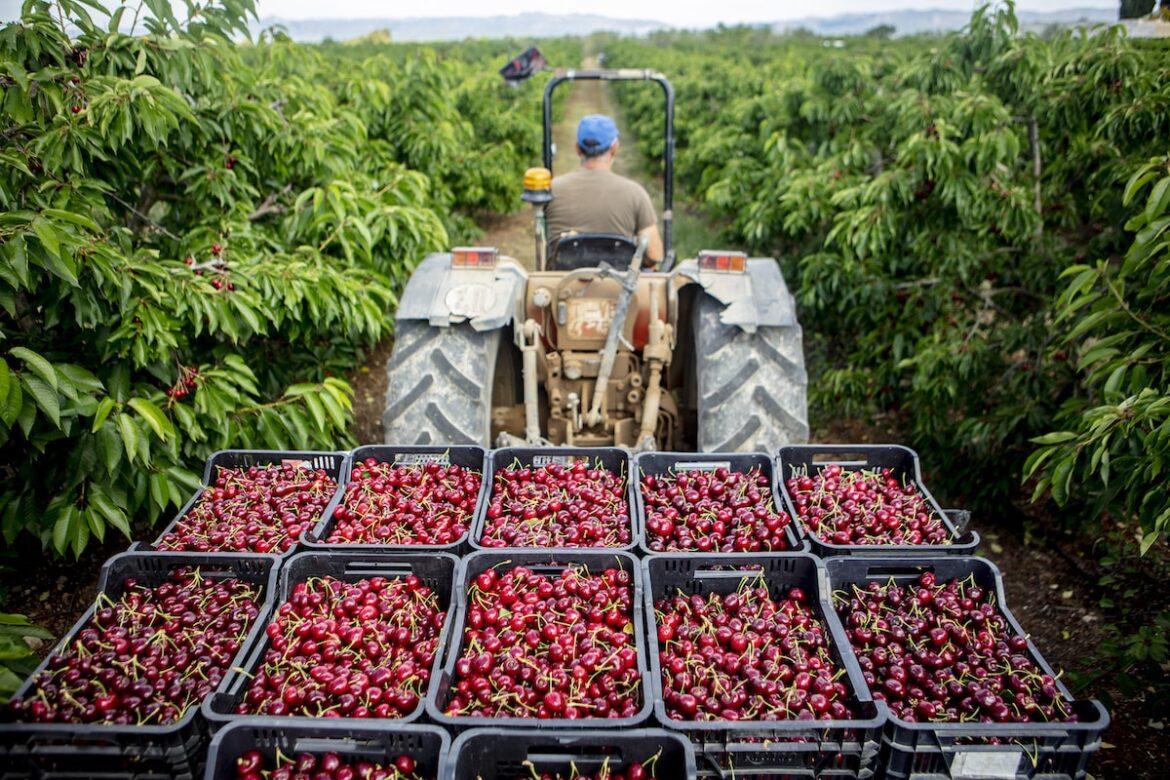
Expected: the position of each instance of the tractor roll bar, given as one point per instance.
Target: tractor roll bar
(624, 74)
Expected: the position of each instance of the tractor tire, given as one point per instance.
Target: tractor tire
(440, 384)
(752, 387)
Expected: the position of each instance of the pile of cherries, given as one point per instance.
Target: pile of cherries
(359, 649)
(942, 651)
(548, 646)
(557, 505)
(253, 765)
(864, 506)
(260, 509)
(389, 503)
(712, 511)
(147, 657)
(747, 656)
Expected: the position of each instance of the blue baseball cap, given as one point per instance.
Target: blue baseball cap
(596, 133)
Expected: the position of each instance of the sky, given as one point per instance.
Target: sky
(693, 14)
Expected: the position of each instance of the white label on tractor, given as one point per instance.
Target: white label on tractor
(590, 318)
(422, 458)
(548, 460)
(695, 465)
(470, 300)
(991, 764)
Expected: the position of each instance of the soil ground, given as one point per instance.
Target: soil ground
(1051, 587)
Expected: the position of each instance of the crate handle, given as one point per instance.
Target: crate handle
(844, 457)
(549, 568)
(422, 458)
(555, 753)
(737, 574)
(739, 772)
(887, 570)
(700, 465)
(960, 519)
(378, 568)
(556, 460)
(327, 744)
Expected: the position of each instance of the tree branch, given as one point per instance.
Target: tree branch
(269, 205)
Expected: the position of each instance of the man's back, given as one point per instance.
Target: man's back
(598, 201)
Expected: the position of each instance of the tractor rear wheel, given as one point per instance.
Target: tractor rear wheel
(439, 387)
(752, 387)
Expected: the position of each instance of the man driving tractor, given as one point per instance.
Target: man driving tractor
(594, 199)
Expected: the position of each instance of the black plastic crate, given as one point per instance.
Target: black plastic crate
(614, 459)
(334, 463)
(436, 570)
(427, 745)
(468, 456)
(472, 565)
(773, 749)
(658, 463)
(505, 754)
(853, 457)
(959, 750)
(97, 750)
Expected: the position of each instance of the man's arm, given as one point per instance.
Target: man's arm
(648, 220)
(654, 251)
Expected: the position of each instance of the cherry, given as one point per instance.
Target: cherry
(557, 505)
(353, 649)
(259, 509)
(147, 657)
(563, 648)
(718, 510)
(864, 506)
(774, 664)
(942, 651)
(406, 504)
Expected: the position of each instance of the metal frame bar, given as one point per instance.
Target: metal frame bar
(624, 74)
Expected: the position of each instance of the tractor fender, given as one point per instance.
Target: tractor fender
(442, 295)
(756, 298)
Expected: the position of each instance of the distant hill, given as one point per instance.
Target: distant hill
(525, 25)
(939, 20)
(543, 25)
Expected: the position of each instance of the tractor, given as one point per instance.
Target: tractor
(582, 347)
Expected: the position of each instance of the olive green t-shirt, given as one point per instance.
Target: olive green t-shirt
(595, 200)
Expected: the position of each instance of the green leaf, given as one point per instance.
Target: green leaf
(130, 435)
(5, 381)
(313, 404)
(39, 366)
(159, 492)
(45, 398)
(97, 525)
(61, 533)
(154, 417)
(105, 406)
(1059, 437)
(112, 514)
(336, 413)
(110, 447)
(71, 216)
(12, 405)
(1140, 179)
(47, 235)
(1159, 199)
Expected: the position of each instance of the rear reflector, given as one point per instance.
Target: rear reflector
(735, 262)
(474, 256)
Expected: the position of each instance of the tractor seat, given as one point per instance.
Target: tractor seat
(589, 250)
